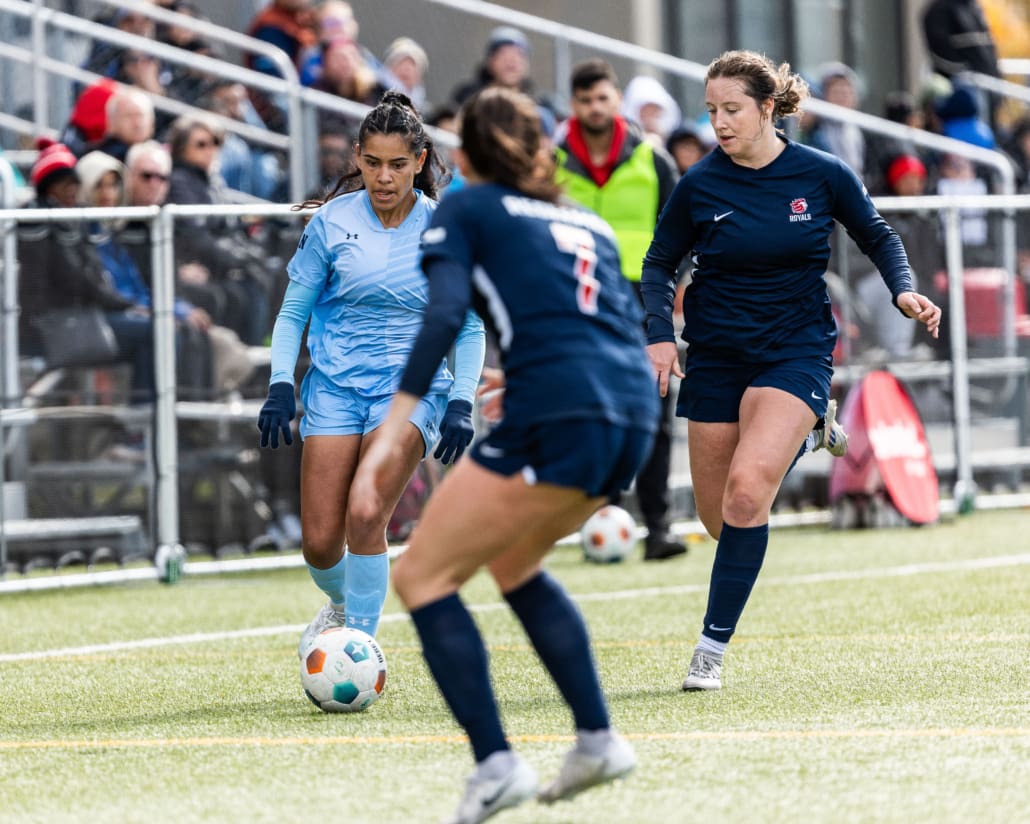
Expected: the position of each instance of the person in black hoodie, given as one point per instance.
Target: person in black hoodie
(61, 268)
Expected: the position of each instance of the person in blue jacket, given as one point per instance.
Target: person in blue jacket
(356, 276)
(756, 215)
(579, 414)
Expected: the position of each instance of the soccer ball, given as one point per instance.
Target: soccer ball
(343, 671)
(609, 535)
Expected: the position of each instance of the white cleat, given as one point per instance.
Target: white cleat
(484, 796)
(581, 771)
(705, 671)
(832, 436)
(328, 616)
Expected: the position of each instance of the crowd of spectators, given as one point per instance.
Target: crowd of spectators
(228, 269)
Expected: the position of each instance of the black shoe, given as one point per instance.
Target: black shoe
(661, 546)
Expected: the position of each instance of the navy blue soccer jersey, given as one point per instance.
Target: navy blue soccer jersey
(760, 241)
(547, 282)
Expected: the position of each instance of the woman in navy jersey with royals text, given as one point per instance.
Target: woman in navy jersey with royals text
(579, 413)
(756, 214)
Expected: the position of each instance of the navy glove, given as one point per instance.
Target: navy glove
(276, 414)
(455, 431)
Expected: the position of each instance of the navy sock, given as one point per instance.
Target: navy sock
(556, 629)
(454, 651)
(738, 558)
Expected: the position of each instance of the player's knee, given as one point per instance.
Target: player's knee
(322, 551)
(744, 499)
(365, 527)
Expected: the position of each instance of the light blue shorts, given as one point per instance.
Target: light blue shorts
(332, 410)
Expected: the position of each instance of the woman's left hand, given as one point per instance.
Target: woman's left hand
(922, 309)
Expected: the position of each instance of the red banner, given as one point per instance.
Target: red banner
(887, 449)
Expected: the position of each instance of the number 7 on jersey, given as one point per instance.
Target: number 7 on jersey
(575, 240)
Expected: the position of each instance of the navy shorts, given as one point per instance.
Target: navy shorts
(598, 457)
(713, 386)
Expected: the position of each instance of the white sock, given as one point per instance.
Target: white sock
(593, 742)
(496, 765)
(711, 645)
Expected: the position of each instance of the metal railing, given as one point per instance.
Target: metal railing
(564, 37)
(163, 222)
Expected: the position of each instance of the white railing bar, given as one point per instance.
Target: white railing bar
(289, 86)
(1014, 65)
(214, 32)
(1006, 88)
(80, 213)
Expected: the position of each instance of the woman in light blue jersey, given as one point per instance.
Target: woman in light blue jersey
(548, 280)
(756, 216)
(356, 276)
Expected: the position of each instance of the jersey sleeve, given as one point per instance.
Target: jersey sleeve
(874, 236)
(447, 259)
(310, 263)
(469, 353)
(288, 332)
(673, 239)
(447, 236)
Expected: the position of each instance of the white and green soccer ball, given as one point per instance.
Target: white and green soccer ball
(609, 535)
(344, 670)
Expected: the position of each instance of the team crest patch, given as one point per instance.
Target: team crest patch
(799, 210)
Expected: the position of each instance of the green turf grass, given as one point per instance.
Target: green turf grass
(875, 677)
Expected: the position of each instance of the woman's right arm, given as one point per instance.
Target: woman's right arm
(673, 239)
(288, 332)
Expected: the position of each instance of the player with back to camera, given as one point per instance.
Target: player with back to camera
(578, 421)
(355, 274)
(756, 214)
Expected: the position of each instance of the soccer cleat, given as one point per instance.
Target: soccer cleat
(581, 771)
(705, 671)
(660, 546)
(832, 436)
(484, 796)
(328, 616)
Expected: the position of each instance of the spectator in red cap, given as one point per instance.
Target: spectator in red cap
(88, 120)
(54, 176)
(906, 176)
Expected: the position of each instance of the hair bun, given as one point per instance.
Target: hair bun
(396, 98)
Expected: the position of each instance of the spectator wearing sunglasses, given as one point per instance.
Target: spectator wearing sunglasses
(234, 261)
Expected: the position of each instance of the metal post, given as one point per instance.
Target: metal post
(965, 488)
(40, 112)
(169, 554)
(10, 384)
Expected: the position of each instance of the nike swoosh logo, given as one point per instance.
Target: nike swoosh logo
(714, 628)
(816, 397)
(724, 214)
(490, 800)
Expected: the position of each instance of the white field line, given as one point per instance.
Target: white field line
(379, 740)
(905, 570)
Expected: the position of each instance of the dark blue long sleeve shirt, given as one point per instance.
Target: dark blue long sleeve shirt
(760, 245)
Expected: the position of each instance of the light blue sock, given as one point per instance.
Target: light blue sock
(367, 579)
(331, 581)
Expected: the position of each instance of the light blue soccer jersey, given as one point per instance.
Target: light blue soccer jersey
(373, 292)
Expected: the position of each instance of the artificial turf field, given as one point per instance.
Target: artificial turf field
(876, 676)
